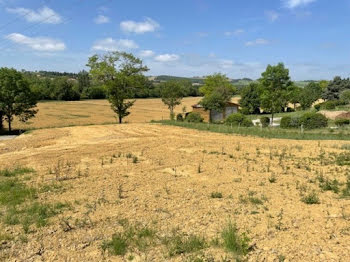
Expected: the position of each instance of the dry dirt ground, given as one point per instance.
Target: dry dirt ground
(163, 177)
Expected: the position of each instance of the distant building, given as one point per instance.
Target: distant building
(213, 115)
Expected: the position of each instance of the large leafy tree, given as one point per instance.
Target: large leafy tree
(121, 73)
(335, 88)
(16, 98)
(294, 92)
(172, 93)
(217, 90)
(309, 94)
(250, 98)
(275, 82)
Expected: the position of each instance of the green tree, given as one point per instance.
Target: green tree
(294, 94)
(218, 91)
(1, 120)
(16, 98)
(335, 88)
(250, 98)
(65, 89)
(83, 81)
(121, 73)
(172, 93)
(309, 94)
(345, 96)
(275, 82)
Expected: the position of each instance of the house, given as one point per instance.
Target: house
(215, 116)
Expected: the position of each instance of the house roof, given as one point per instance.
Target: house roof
(228, 104)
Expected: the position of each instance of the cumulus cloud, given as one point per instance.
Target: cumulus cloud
(235, 33)
(110, 44)
(272, 15)
(297, 3)
(147, 26)
(166, 58)
(37, 43)
(147, 53)
(44, 15)
(101, 19)
(259, 41)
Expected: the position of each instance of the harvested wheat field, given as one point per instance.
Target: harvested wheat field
(92, 112)
(146, 192)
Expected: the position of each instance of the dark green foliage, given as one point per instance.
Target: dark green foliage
(234, 241)
(289, 122)
(329, 185)
(65, 89)
(16, 98)
(265, 121)
(179, 117)
(312, 120)
(335, 88)
(311, 199)
(250, 99)
(238, 119)
(332, 104)
(194, 117)
(342, 122)
(345, 96)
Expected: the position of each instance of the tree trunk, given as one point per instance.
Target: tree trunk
(9, 120)
(1, 121)
(172, 113)
(272, 114)
(120, 119)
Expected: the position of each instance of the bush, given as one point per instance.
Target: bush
(238, 119)
(194, 117)
(289, 110)
(179, 117)
(289, 122)
(332, 104)
(317, 107)
(312, 120)
(265, 121)
(342, 122)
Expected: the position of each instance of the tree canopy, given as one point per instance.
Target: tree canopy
(217, 90)
(121, 74)
(275, 82)
(16, 98)
(250, 98)
(172, 93)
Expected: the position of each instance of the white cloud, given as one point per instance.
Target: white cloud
(43, 15)
(235, 33)
(146, 26)
(272, 15)
(110, 44)
(147, 53)
(101, 19)
(37, 43)
(166, 58)
(296, 3)
(259, 41)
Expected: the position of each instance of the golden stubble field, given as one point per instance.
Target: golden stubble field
(94, 112)
(162, 178)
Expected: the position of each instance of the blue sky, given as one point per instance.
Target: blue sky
(183, 37)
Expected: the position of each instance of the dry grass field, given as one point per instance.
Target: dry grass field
(94, 112)
(146, 192)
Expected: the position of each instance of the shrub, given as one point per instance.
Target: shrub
(216, 195)
(265, 121)
(313, 120)
(179, 117)
(194, 117)
(317, 107)
(332, 104)
(289, 122)
(289, 110)
(342, 122)
(311, 199)
(235, 242)
(238, 119)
